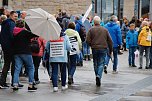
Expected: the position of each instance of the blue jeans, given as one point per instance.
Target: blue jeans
(131, 58)
(79, 57)
(55, 73)
(28, 61)
(115, 60)
(86, 48)
(99, 61)
(72, 65)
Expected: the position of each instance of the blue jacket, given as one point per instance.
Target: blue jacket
(67, 47)
(131, 39)
(115, 33)
(78, 25)
(6, 35)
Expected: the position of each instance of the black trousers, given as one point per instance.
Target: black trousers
(36, 61)
(8, 62)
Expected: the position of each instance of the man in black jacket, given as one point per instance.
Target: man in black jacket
(6, 38)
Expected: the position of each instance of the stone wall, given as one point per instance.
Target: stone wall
(52, 6)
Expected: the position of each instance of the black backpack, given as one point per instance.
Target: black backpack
(35, 47)
(82, 33)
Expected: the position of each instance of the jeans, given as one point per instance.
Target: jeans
(8, 59)
(36, 61)
(55, 73)
(79, 57)
(147, 52)
(27, 59)
(99, 61)
(86, 49)
(115, 60)
(131, 58)
(72, 65)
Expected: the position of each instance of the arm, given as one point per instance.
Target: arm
(79, 40)
(119, 36)
(88, 38)
(68, 44)
(46, 52)
(127, 40)
(139, 37)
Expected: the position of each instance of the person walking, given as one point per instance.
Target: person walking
(37, 55)
(6, 37)
(74, 38)
(23, 54)
(131, 44)
(58, 59)
(144, 41)
(99, 39)
(115, 33)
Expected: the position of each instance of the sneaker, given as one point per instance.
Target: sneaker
(140, 68)
(32, 89)
(15, 88)
(64, 87)
(98, 83)
(55, 89)
(130, 66)
(105, 69)
(19, 86)
(134, 66)
(146, 67)
(70, 81)
(37, 82)
(4, 86)
(114, 72)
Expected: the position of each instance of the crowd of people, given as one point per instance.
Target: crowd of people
(24, 49)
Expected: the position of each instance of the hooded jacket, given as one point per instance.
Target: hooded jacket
(115, 33)
(132, 38)
(142, 38)
(22, 39)
(73, 33)
(6, 35)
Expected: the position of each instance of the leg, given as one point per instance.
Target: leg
(30, 67)
(133, 56)
(63, 73)
(18, 66)
(141, 51)
(129, 57)
(54, 74)
(115, 61)
(95, 57)
(147, 52)
(36, 61)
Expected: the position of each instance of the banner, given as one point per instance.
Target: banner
(87, 13)
(57, 48)
(75, 45)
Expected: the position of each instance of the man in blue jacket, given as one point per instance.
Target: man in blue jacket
(115, 33)
(6, 38)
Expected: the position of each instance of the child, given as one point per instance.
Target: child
(131, 44)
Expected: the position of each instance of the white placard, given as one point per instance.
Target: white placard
(87, 13)
(57, 49)
(75, 45)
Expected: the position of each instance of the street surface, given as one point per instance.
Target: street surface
(130, 84)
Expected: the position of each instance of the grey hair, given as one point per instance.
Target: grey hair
(114, 18)
(144, 23)
(97, 20)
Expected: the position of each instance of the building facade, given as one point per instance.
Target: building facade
(128, 8)
(52, 6)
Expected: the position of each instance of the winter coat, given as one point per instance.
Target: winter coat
(115, 33)
(72, 33)
(98, 38)
(131, 38)
(42, 44)
(142, 38)
(22, 40)
(78, 25)
(67, 47)
(6, 35)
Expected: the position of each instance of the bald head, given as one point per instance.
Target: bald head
(23, 14)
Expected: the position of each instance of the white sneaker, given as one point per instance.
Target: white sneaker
(65, 87)
(55, 89)
(114, 72)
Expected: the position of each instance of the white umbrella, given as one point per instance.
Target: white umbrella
(43, 24)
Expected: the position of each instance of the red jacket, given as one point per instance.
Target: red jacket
(42, 44)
